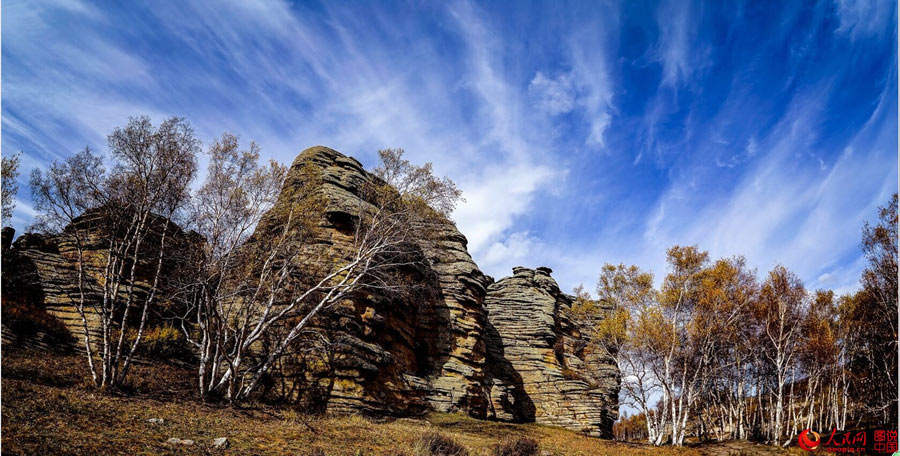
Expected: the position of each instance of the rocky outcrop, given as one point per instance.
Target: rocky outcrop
(40, 274)
(508, 350)
(453, 326)
(39, 280)
(539, 364)
(387, 353)
(453, 340)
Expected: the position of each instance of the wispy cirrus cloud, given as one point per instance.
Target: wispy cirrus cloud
(288, 80)
(579, 133)
(678, 50)
(553, 95)
(861, 19)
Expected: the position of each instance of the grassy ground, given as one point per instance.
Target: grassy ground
(48, 407)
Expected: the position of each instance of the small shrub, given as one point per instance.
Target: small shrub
(581, 349)
(559, 350)
(519, 446)
(163, 343)
(559, 347)
(29, 321)
(436, 444)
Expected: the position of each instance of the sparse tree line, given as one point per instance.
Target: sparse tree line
(253, 275)
(716, 353)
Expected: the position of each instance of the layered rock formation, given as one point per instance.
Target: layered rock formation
(455, 341)
(38, 276)
(36, 285)
(519, 358)
(453, 326)
(388, 352)
(540, 367)
(40, 273)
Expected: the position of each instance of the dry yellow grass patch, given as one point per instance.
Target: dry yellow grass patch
(49, 409)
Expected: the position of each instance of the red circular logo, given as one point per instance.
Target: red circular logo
(808, 443)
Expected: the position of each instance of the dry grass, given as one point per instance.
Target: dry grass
(48, 407)
(437, 444)
(520, 446)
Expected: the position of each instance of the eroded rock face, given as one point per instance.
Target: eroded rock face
(537, 364)
(454, 325)
(37, 277)
(389, 353)
(40, 273)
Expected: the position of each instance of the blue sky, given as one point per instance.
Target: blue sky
(581, 133)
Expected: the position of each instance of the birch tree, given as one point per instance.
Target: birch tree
(124, 213)
(10, 172)
(721, 352)
(820, 361)
(724, 296)
(629, 292)
(237, 191)
(780, 309)
(880, 312)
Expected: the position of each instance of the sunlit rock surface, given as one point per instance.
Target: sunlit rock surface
(540, 367)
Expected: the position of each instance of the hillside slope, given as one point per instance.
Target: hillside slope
(48, 408)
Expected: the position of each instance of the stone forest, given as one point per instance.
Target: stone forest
(504, 349)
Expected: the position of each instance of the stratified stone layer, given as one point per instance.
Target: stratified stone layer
(538, 366)
(40, 272)
(394, 353)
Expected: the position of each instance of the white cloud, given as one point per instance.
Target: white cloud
(288, 81)
(495, 200)
(863, 18)
(553, 95)
(23, 215)
(587, 49)
(677, 48)
(517, 249)
(786, 209)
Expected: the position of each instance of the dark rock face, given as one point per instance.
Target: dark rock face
(538, 366)
(7, 235)
(26, 320)
(37, 276)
